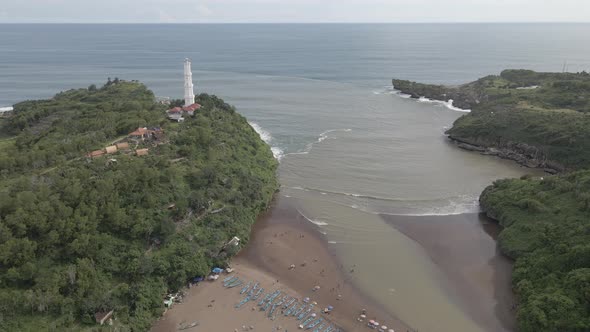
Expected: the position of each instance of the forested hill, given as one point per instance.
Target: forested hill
(538, 119)
(81, 235)
(547, 230)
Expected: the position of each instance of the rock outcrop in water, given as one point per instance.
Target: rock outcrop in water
(523, 154)
(465, 96)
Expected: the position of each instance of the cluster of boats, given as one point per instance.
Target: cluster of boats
(289, 306)
(232, 281)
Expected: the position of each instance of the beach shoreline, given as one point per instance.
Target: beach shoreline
(280, 238)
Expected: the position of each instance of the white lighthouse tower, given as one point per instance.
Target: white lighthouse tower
(189, 94)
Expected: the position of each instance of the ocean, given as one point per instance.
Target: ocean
(353, 153)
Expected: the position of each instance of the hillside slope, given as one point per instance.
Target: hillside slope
(82, 235)
(546, 228)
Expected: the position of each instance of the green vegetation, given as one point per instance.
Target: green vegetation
(547, 230)
(81, 235)
(546, 221)
(548, 124)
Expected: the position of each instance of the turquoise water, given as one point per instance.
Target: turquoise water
(350, 148)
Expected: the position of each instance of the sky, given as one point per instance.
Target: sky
(291, 11)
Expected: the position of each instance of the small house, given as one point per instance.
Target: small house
(139, 134)
(156, 133)
(111, 149)
(190, 109)
(141, 152)
(122, 146)
(95, 154)
(103, 317)
(234, 241)
(174, 113)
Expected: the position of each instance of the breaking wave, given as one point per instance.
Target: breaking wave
(324, 192)
(444, 206)
(316, 222)
(448, 104)
(390, 90)
(277, 152)
(322, 137)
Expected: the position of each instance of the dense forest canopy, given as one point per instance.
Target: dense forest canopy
(547, 230)
(81, 235)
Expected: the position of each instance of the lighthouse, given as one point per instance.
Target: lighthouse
(189, 94)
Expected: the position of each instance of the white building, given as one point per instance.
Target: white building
(189, 93)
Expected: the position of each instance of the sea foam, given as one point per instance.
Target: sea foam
(322, 137)
(448, 104)
(316, 222)
(277, 152)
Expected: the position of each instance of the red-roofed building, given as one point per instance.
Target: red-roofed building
(96, 154)
(140, 133)
(176, 113)
(190, 109)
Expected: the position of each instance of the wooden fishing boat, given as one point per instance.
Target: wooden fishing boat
(319, 328)
(299, 310)
(246, 299)
(290, 309)
(255, 296)
(314, 324)
(303, 314)
(288, 304)
(235, 284)
(245, 288)
(227, 282)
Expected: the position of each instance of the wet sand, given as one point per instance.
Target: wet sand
(279, 238)
(212, 306)
(283, 237)
(464, 248)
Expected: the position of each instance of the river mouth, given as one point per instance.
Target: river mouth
(476, 274)
(398, 204)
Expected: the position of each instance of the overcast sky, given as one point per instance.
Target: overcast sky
(205, 11)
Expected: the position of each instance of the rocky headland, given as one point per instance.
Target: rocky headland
(536, 119)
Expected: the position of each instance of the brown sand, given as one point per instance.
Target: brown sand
(478, 276)
(212, 306)
(280, 238)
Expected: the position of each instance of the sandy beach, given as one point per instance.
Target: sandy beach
(280, 238)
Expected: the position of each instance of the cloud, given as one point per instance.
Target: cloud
(165, 17)
(150, 11)
(203, 10)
